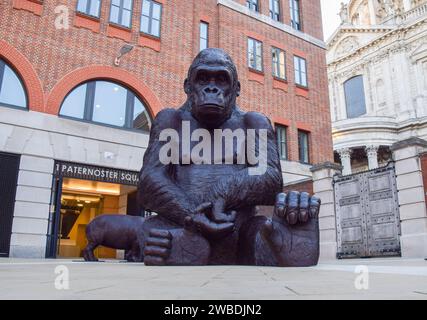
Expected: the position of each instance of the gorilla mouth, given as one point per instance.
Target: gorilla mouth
(212, 106)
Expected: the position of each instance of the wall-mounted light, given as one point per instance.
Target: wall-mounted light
(124, 50)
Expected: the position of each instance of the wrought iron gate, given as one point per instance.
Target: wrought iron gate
(367, 214)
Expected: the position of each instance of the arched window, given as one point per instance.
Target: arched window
(12, 92)
(355, 97)
(108, 103)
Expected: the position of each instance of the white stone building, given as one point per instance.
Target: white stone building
(377, 69)
(377, 72)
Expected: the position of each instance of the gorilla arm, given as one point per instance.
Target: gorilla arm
(240, 189)
(157, 191)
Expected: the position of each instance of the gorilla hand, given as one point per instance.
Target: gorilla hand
(218, 214)
(185, 246)
(296, 208)
(211, 221)
(293, 233)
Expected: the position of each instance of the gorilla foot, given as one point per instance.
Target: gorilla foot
(176, 247)
(293, 233)
(290, 246)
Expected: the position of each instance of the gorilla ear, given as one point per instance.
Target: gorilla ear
(187, 88)
(238, 89)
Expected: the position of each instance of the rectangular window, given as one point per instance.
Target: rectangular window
(300, 65)
(121, 12)
(295, 14)
(89, 7)
(255, 54)
(252, 4)
(279, 63)
(275, 10)
(355, 97)
(282, 141)
(204, 35)
(151, 18)
(303, 146)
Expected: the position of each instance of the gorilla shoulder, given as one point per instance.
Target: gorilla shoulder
(167, 118)
(256, 120)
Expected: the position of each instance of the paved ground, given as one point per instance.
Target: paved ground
(388, 279)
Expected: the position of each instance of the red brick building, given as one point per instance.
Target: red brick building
(55, 46)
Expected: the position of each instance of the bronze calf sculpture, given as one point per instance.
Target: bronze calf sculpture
(118, 232)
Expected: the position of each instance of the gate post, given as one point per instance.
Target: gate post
(323, 188)
(411, 196)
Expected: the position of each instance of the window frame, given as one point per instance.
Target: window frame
(255, 41)
(294, 24)
(307, 133)
(121, 8)
(272, 13)
(150, 19)
(360, 76)
(89, 2)
(278, 64)
(89, 105)
(3, 64)
(253, 5)
(203, 23)
(281, 128)
(299, 59)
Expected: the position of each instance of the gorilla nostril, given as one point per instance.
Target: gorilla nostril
(211, 89)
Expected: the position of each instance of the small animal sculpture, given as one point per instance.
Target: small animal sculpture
(118, 232)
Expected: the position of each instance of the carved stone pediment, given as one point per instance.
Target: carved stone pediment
(346, 46)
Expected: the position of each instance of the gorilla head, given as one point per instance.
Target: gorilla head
(212, 87)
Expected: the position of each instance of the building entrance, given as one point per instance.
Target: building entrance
(76, 202)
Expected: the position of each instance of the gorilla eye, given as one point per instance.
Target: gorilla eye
(222, 78)
(202, 78)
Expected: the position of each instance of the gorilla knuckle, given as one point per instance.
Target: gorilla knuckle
(293, 200)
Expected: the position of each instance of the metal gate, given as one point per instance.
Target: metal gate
(367, 214)
(9, 168)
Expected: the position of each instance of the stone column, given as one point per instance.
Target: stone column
(345, 155)
(31, 215)
(324, 189)
(411, 196)
(372, 153)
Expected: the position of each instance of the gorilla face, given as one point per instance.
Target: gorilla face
(212, 90)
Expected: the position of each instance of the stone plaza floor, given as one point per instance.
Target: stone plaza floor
(392, 278)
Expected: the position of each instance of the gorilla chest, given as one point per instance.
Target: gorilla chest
(196, 180)
(198, 146)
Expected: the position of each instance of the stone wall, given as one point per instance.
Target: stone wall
(411, 195)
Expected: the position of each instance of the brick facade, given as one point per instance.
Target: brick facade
(52, 61)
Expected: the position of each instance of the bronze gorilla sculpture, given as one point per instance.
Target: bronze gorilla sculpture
(207, 213)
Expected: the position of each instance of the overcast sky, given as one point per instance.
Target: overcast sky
(330, 17)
